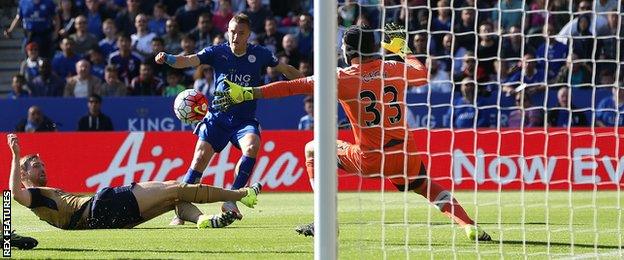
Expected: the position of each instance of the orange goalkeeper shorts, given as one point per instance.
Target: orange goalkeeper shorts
(399, 167)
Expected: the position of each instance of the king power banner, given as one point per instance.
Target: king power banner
(559, 159)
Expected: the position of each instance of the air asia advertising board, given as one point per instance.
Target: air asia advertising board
(490, 160)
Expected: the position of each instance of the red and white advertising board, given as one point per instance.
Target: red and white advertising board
(510, 160)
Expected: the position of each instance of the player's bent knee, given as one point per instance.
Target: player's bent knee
(309, 150)
(415, 183)
(251, 150)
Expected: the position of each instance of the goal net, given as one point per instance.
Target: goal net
(520, 122)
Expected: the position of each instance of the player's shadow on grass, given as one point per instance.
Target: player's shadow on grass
(61, 249)
(542, 243)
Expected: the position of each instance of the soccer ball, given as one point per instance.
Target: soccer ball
(190, 106)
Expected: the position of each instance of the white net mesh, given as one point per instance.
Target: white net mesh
(519, 122)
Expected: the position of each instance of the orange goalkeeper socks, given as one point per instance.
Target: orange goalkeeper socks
(444, 201)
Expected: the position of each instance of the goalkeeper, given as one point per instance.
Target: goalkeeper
(366, 96)
(242, 63)
(119, 207)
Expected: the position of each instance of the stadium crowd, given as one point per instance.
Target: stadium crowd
(480, 50)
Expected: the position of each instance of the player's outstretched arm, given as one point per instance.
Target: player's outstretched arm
(179, 61)
(20, 195)
(238, 94)
(289, 71)
(395, 42)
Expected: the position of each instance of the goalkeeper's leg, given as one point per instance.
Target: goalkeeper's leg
(439, 197)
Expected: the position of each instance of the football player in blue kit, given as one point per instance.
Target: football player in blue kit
(242, 63)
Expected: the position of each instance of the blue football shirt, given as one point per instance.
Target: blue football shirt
(245, 70)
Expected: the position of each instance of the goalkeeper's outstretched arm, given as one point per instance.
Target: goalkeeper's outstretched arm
(285, 88)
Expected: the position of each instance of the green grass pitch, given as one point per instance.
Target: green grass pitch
(561, 224)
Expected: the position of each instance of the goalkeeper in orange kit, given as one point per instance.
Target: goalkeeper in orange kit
(372, 94)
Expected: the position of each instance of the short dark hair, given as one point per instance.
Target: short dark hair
(20, 78)
(158, 39)
(111, 68)
(96, 97)
(124, 36)
(241, 19)
(308, 99)
(359, 41)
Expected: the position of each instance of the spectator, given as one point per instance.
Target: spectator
(97, 63)
(218, 40)
(204, 32)
(348, 13)
(272, 75)
(204, 80)
(289, 42)
(510, 12)
(47, 84)
(487, 50)
(157, 24)
(469, 69)
(145, 84)
(112, 85)
(448, 54)
(463, 113)
(603, 6)
(597, 24)
(439, 79)
(537, 17)
(526, 115)
(108, 45)
(464, 31)
(527, 73)
(83, 40)
(583, 41)
(271, 38)
(30, 66)
(581, 73)
(304, 34)
(142, 39)
(222, 16)
(306, 68)
(83, 84)
(284, 8)
(559, 115)
(187, 15)
(127, 62)
(38, 22)
(65, 16)
(442, 22)
(125, 19)
(555, 51)
(95, 120)
(160, 70)
(173, 88)
(172, 37)
(558, 13)
(420, 47)
(36, 121)
(257, 13)
(307, 122)
(188, 48)
(607, 114)
(238, 6)
(95, 16)
(511, 52)
(608, 46)
(18, 89)
(64, 62)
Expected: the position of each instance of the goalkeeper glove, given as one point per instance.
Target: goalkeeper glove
(394, 40)
(234, 94)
